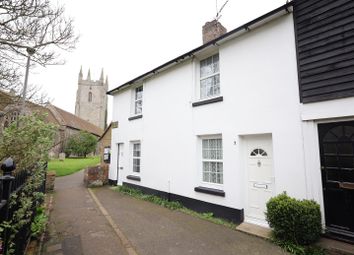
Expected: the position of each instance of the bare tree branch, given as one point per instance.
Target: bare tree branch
(38, 24)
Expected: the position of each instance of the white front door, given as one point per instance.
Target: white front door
(259, 169)
(120, 163)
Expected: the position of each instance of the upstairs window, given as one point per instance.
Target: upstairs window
(90, 96)
(136, 157)
(212, 160)
(138, 100)
(209, 77)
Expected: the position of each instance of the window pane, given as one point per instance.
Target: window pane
(138, 106)
(205, 153)
(213, 178)
(205, 143)
(210, 86)
(219, 148)
(211, 167)
(212, 149)
(213, 154)
(216, 63)
(220, 178)
(136, 150)
(136, 165)
(209, 66)
(216, 85)
(206, 67)
(204, 87)
(206, 177)
(212, 144)
(219, 167)
(139, 93)
(206, 166)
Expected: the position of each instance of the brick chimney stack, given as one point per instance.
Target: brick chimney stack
(212, 30)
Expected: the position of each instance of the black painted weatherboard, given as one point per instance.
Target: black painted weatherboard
(325, 48)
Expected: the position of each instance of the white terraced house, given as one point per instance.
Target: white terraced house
(262, 109)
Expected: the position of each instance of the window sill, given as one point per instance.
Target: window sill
(208, 101)
(133, 177)
(210, 191)
(135, 117)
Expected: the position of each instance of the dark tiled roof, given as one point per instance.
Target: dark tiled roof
(105, 131)
(5, 100)
(70, 120)
(55, 115)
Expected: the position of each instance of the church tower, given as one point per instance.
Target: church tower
(91, 99)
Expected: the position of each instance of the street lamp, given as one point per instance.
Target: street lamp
(30, 52)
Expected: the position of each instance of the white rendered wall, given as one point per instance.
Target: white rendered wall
(259, 86)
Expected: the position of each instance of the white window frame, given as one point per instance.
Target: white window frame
(211, 75)
(211, 160)
(135, 157)
(136, 100)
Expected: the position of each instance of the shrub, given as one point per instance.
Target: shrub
(296, 221)
(297, 249)
(27, 141)
(39, 223)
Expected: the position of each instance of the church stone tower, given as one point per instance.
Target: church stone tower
(91, 99)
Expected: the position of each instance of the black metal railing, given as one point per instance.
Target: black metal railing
(14, 241)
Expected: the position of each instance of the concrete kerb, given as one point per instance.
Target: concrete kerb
(124, 240)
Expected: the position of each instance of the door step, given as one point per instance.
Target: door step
(255, 230)
(335, 247)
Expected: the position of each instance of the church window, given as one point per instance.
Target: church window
(10, 117)
(14, 116)
(90, 96)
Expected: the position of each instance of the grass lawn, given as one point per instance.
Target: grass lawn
(71, 165)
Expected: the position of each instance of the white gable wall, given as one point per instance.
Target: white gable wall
(259, 86)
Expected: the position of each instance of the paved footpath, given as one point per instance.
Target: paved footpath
(77, 226)
(146, 227)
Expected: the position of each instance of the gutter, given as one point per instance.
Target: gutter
(274, 14)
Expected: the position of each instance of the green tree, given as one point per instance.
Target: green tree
(27, 141)
(81, 144)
